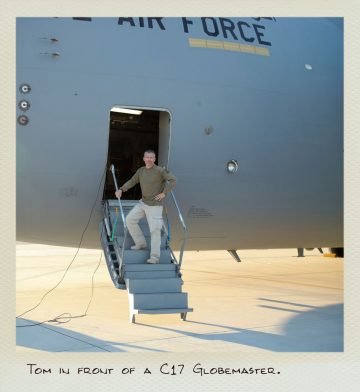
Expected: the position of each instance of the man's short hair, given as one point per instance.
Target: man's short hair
(150, 152)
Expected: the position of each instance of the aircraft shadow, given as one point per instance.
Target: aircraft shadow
(53, 339)
(317, 330)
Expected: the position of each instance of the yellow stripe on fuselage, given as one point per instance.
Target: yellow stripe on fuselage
(231, 46)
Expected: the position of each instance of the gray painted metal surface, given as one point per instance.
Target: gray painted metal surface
(269, 96)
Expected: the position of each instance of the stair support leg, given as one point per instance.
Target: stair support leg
(234, 254)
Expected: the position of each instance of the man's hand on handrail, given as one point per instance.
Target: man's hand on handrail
(118, 193)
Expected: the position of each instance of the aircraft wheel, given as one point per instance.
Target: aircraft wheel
(338, 251)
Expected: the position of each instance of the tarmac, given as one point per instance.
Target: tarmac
(272, 301)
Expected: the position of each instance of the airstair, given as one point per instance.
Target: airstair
(151, 288)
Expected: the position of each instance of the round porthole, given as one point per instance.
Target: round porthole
(232, 166)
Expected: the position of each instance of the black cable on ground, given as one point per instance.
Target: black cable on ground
(61, 316)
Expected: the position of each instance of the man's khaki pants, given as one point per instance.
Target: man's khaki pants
(154, 217)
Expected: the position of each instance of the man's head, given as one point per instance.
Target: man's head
(149, 158)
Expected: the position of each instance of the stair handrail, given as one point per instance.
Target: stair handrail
(182, 221)
(112, 169)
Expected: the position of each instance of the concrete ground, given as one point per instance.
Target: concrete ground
(271, 301)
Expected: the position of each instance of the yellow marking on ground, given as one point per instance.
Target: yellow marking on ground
(230, 46)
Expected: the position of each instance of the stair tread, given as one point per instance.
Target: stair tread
(158, 300)
(149, 267)
(164, 310)
(174, 279)
(169, 294)
(150, 274)
(140, 256)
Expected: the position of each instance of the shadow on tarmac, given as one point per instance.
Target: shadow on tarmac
(35, 337)
(319, 329)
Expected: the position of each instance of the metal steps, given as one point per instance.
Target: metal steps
(140, 256)
(149, 274)
(154, 285)
(155, 301)
(152, 288)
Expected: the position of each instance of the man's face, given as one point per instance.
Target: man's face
(149, 159)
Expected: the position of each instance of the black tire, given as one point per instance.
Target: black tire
(338, 251)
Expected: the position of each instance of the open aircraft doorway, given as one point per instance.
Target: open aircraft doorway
(133, 130)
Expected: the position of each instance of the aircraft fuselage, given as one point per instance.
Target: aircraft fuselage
(264, 92)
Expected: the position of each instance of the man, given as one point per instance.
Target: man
(154, 187)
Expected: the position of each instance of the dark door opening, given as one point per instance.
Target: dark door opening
(131, 132)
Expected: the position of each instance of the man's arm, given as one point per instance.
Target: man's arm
(170, 183)
(132, 182)
(129, 184)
